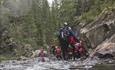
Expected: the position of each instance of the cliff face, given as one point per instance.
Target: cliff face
(100, 34)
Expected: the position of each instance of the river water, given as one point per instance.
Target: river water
(36, 64)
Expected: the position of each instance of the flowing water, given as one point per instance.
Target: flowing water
(36, 64)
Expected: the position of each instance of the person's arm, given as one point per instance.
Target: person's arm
(62, 34)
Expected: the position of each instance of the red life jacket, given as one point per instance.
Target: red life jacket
(72, 40)
(41, 54)
(79, 47)
(58, 51)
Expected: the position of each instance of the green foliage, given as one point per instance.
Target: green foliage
(67, 11)
(98, 6)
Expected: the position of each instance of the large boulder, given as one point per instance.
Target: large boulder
(101, 29)
(96, 32)
(36, 53)
(107, 47)
(99, 34)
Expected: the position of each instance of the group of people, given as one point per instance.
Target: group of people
(71, 46)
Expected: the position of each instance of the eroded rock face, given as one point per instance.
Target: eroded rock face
(100, 34)
(100, 31)
(107, 47)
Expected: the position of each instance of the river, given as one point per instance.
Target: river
(36, 64)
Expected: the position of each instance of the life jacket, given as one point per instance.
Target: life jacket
(58, 51)
(72, 40)
(77, 47)
(42, 54)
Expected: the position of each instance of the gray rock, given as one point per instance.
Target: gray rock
(100, 34)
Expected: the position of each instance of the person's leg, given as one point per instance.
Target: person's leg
(63, 53)
(78, 54)
(73, 53)
(57, 57)
(60, 57)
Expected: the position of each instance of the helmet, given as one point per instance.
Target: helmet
(65, 23)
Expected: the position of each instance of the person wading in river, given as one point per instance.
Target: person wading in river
(58, 53)
(80, 50)
(66, 37)
(52, 49)
(62, 42)
(42, 55)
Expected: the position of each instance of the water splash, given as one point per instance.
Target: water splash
(35, 64)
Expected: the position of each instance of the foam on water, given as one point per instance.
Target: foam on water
(35, 67)
(49, 65)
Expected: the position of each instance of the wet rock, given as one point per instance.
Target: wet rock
(36, 53)
(22, 58)
(1, 66)
(107, 49)
(99, 35)
(104, 56)
(99, 30)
